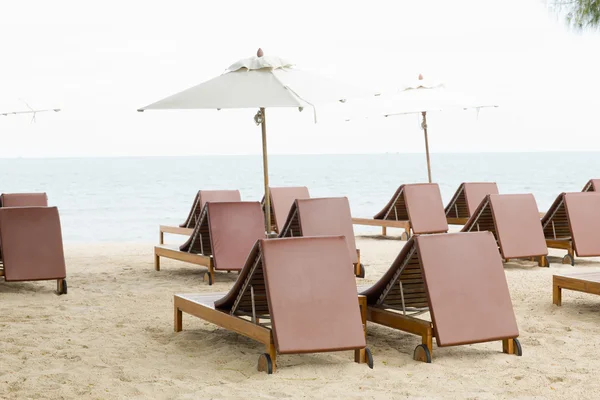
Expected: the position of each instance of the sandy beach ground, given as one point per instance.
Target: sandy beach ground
(112, 337)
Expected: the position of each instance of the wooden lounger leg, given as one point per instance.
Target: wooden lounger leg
(384, 231)
(424, 351)
(360, 354)
(209, 276)
(178, 320)
(269, 364)
(357, 265)
(511, 346)
(156, 261)
(556, 294)
(543, 261)
(161, 236)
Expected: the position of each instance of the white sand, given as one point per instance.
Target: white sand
(112, 337)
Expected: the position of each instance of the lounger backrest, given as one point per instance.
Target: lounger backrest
(514, 221)
(23, 200)
(555, 222)
(593, 185)
(31, 240)
(583, 211)
(466, 286)
(204, 196)
(310, 293)
(282, 199)
(325, 217)
(234, 228)
(425, 208)
(467, 198)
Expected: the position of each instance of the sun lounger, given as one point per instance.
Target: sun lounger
(202, 197)
(282, 199)
(572, 223)
(459, 279)
(514, 221)
(466, 199)
(324, 217)
(586, 282)
(221, 240)
(593, 185)
(294, 296)
(31, 245)
(23, 200)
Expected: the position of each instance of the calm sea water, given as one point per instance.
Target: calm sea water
(125, 199)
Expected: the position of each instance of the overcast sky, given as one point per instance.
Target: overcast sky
(100, 62)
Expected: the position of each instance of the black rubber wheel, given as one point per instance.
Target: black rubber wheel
(369, 357)
(210, 279)
(567, 259)
(422, 349)
(64, 286)
(265, 364)
(361, 273)
(518, 348)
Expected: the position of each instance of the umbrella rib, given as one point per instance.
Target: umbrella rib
(297, 95)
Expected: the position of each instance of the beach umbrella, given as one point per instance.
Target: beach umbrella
(421, 97)
(261, 82)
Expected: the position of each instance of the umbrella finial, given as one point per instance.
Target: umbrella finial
(259, 53)
(420, 77)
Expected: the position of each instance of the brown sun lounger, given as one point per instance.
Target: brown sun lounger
(23, 200)
(417, 205)
(221, 240)
(572, 223)
(459, 279)
(466, 199)
(514, 221)
(324, 217)
(24, 227)
(593, 185)
(586, 282)
(282, 199)
(201, 198)
(294, 296)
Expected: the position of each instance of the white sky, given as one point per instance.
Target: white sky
(99, 62)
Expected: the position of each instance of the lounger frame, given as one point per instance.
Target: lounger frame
(249, 326)
(558, 233)
(384, 224)
(175, 230)
(576, 282)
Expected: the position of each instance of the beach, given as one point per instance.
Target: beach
(111, 337)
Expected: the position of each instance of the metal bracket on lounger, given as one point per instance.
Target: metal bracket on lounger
(416, 310)
(387, 214)
(487, 203)
(245, 287)
(551, 218)
(253, 305)
(396, 276)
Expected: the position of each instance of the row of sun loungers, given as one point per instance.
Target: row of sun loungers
(26, 219)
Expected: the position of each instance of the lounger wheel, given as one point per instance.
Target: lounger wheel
(61, 287)
(208, 278)
(361, 273)
(422, 353)
(405, 236)
(369, 357)
(568, 259)
(518, 349)
(265, 364)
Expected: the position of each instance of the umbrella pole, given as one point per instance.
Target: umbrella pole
(266, 172)
(424, 126)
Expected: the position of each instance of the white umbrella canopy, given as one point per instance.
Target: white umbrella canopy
(419, 97)
(261, 82)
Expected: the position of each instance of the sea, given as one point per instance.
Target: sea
(125, 199)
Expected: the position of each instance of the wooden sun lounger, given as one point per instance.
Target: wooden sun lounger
(586, 282)
(414, 207)
(201, 198)
(466, 199)
(324, 217)
(459, 279)
(282, 199)
(294, 296)
(221, 240)
(514, 221)
(31, 247)
(572, 223)
(593, 185)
